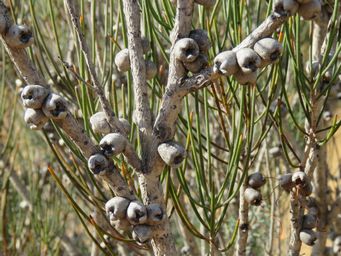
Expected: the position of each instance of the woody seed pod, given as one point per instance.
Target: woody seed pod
(246, 78)
(122, 60)
(55, 107)
(172, 153)
(290, 6)
(197, 65)
(269, 50)
(310, 10)
(99, 123)
(142, 233)
(206, 3)
(253, 196)
(33, 96)
(151, 69)
(299, 178)
(201, 37)
(136, 213)
(337, 245)
(186, 50)
(35, 118)
(155, 214)
(226, 63)
(98, 163)
(285, 182)
(309, 221)
(308, 237)
(113, 144)
(305, 189)
(19, 36)
(116, 208)
(248, 60)
(256, 180)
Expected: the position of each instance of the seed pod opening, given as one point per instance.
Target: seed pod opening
(116, 208)
(33, 96)
(151, 69)
(55, 106)
(285, 182)
(113, 144)
(155, 214)
(308, 236)
(290, 6)
(19, 36)
(98, 163)
(197, 65)
(206, 3)
(172, 153)
(310, 10)
(248, 60)
(269, 50)
(142, 233)
(226, 63)
(299, 178)
(122, 60)
(246, 78)
(309, 221)
(35, 118)
(186, 50)
(201, 37)
(99, 123)
(256, 180)
(136, 213)
(253, 196)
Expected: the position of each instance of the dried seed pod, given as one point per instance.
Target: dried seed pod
(155, 214)
(246, 78)
(309, 221)
(310, 10)
(253, 196)
(269, 50)
(248, 60)
(142, 233)
(299, 178)
(122, 60)
(145, 45)
(19, 36)
(151, 69)
(226, 63)
(337, 245)
(136, 213)
(206, 3)
(98, 163)
(126, 124)
(172, 153)
(305, 189)
(99, 123)
(285, 182)
(308, 236)
(33, 96)
(201, 37)
(35, 118)
(113, 144)
(186, 50)
(121, 224)
(116, 208)
(290, 6)
(197, 65)
(55, 106)
(256, 180)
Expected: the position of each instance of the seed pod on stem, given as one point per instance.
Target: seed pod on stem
(256, 180)
(299, 178)
(186, 50)
(310, 10)
(248, 60)
(19, 36)
(136, 213)
(253, 196)
(116, 208)
(285, 182)
(151, 69)
(172, 153)
(33, 96)
(226, 63)
(55, 107)
(113, 144)
(290, 6)
(269, 50)
(309, 221)
(122, 60)
(142, 233)
(308, 236)
(99, 123)
(201, 37)
(35, 118)
(98, 163)
(155, 214)
(305, 189)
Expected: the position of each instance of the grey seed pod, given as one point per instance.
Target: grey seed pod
(310, 10)
(98, 163)
(201, 37)
(248, 60)
(186, 50)
(35, 118)
(136, 213)
(327, 115)
(309, 221)
(246, 78)
(151, 69)
(269, 50)
(285, 182)
(55, 106)
(33, 96)
(142, 233)
(305, 189)
(308, 236)
(155, 214)
(122, 60)
(113, 144)
(121, 224)
(145, 45)
(126, 124)
(226, 63)
(116, 208)
(275, 151)
(290, 6)
(253, 196)
(206, 3)
(99, 123)
(256, 180)
(172, 153)
(337, 245)
(197, 65)
(299, 178)
(19, 36)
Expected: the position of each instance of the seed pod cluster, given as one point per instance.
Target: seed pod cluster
(125, 214)
(307, 9)
(298, 180)
(252, 193)
(309, 222)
